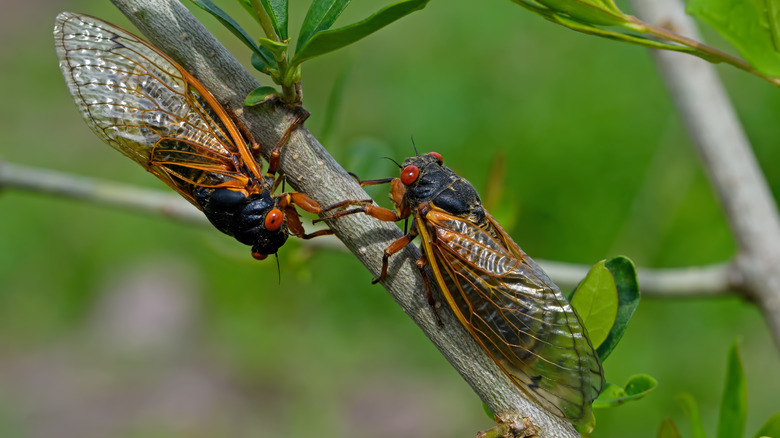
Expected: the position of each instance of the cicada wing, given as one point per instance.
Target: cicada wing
(146, 106)
(517, 314)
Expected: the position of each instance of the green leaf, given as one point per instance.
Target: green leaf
(278, 11)
(752, 26)
(668, 429)
(259, 64)
(488, 412)
(274, 47)
(624, 272)
(598, 12)
(321, 16)
(236, 29)
(733, 407)
(330, 40)
(596, 302)
(692, 411)
(636, 388)
(771, 428)
(259, 95)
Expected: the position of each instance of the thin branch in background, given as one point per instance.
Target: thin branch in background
(696, 281)
(99, 191)
(729, 161)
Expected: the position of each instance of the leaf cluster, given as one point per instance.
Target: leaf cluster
(752, 26)
(273, 55)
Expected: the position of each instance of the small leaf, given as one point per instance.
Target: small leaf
(236, 29)
(692, 411)
(274, 47)
(488, 412)
(640, 384)
(636, 388)
(628, 296)
(321, 16)
(753, 27)
(259, 95)
(596, 302)
(771, 428)
(330, 40)
(259, 64)
(733, 407)
(668, 429)
(598, 12)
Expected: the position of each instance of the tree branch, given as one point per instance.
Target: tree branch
(103, 192)
(725, 151)
(170, 26)
(694, 281)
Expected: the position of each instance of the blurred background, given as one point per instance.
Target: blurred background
(125, 325)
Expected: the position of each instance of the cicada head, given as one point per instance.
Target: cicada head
(262, 224)
(424, 176)
(426, 179)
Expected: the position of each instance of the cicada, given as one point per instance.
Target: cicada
(502, 297)
(145, 105)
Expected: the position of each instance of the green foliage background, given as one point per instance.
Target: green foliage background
(597, 164)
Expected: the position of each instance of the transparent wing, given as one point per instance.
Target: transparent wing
(517, 313)
(146, 106)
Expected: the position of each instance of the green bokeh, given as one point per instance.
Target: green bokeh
(596, 163)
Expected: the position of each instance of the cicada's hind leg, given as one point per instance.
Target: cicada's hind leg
(394, 248)
(254, 145)
(421, 263)
(276, 154)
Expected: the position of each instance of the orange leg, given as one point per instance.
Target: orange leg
(244, 131)
(394, 248)
(295, 226)
(273, 161)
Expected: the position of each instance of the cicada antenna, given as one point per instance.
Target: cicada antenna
(395, 162)
(278, 269)
(415, 146)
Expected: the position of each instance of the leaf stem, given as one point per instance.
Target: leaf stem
(265, 20)
(707, 52)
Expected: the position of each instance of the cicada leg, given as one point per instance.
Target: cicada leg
(276, 154)
(254, 145)
(421, 263)
(394, 248)
(287, 202)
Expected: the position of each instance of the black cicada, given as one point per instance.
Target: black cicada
(146, 106)
(504, 299)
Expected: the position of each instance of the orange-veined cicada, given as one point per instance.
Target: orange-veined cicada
(504, 299)
(146, 106)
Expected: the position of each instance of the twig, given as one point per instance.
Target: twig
(695, 281)
(99, 191)
(732, 168)
(171, 27)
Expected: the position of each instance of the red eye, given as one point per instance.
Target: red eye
(437, 156)
(274, 220)
(259, 256)
(409, 175)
